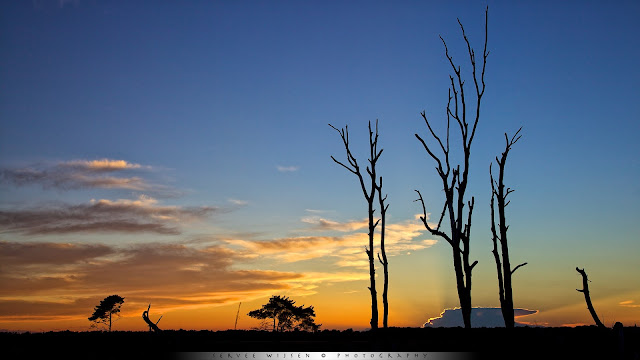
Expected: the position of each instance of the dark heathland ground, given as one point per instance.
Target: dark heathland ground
(586, 342)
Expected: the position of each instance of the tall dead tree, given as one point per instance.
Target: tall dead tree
(503, 264)
(383, 260)
(587, 297)
(455, 178)
(369, 195)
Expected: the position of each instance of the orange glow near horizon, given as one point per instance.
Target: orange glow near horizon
(199, 286)
(351, 313)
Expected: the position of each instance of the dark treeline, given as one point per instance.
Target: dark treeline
(541, 343)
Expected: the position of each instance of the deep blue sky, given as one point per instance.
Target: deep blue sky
(223, 92)
(215, 95)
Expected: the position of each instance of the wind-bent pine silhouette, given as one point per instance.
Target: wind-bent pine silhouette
(454, 179)
(103, 313)
(286, 315)
(369, 195)
(587, 297)
(503, 266)
(152, 326)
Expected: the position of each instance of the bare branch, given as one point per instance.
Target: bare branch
(354, 169)
(446, 53)
(382, 262)
(345, 166)
(439, 168)
(424, 116)
(429, 228)
(517, 267)
(479, 91)
(467, 227)
(444, 209)
(461, 122)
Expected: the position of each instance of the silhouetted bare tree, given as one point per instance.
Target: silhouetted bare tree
(383, 260)
(587, 297)
(152, 326)
(454, 179)
(369, 194)
(503, 265)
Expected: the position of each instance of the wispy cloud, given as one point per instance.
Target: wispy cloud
(238, 202)
(346, 249)
(629, 303)
(128, 216)
(169, 275)
(287, 168)
(101, 165)
(80, 174)
(13, 253)
(327, 225)
(317, 211)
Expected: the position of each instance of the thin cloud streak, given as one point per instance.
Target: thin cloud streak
(238, 202)
(102, 165)
(327, 225)
(128, 216)
(32, 253)
(629, 303)
(287, 168)
(82, 174)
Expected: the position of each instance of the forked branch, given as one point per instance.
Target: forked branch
(433, 231)
(152, 326)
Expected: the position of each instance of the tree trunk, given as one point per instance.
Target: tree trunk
(587, 297)
(503, 263)
(384, 261)
(372, 272)
(463, 294)
(152, 327)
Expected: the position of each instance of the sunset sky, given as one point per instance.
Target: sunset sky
(178, 154)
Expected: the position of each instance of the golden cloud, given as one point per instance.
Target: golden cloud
(102, 164)
(629, 303)
(347, 249)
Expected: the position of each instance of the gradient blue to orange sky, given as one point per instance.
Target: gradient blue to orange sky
(178, 154)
